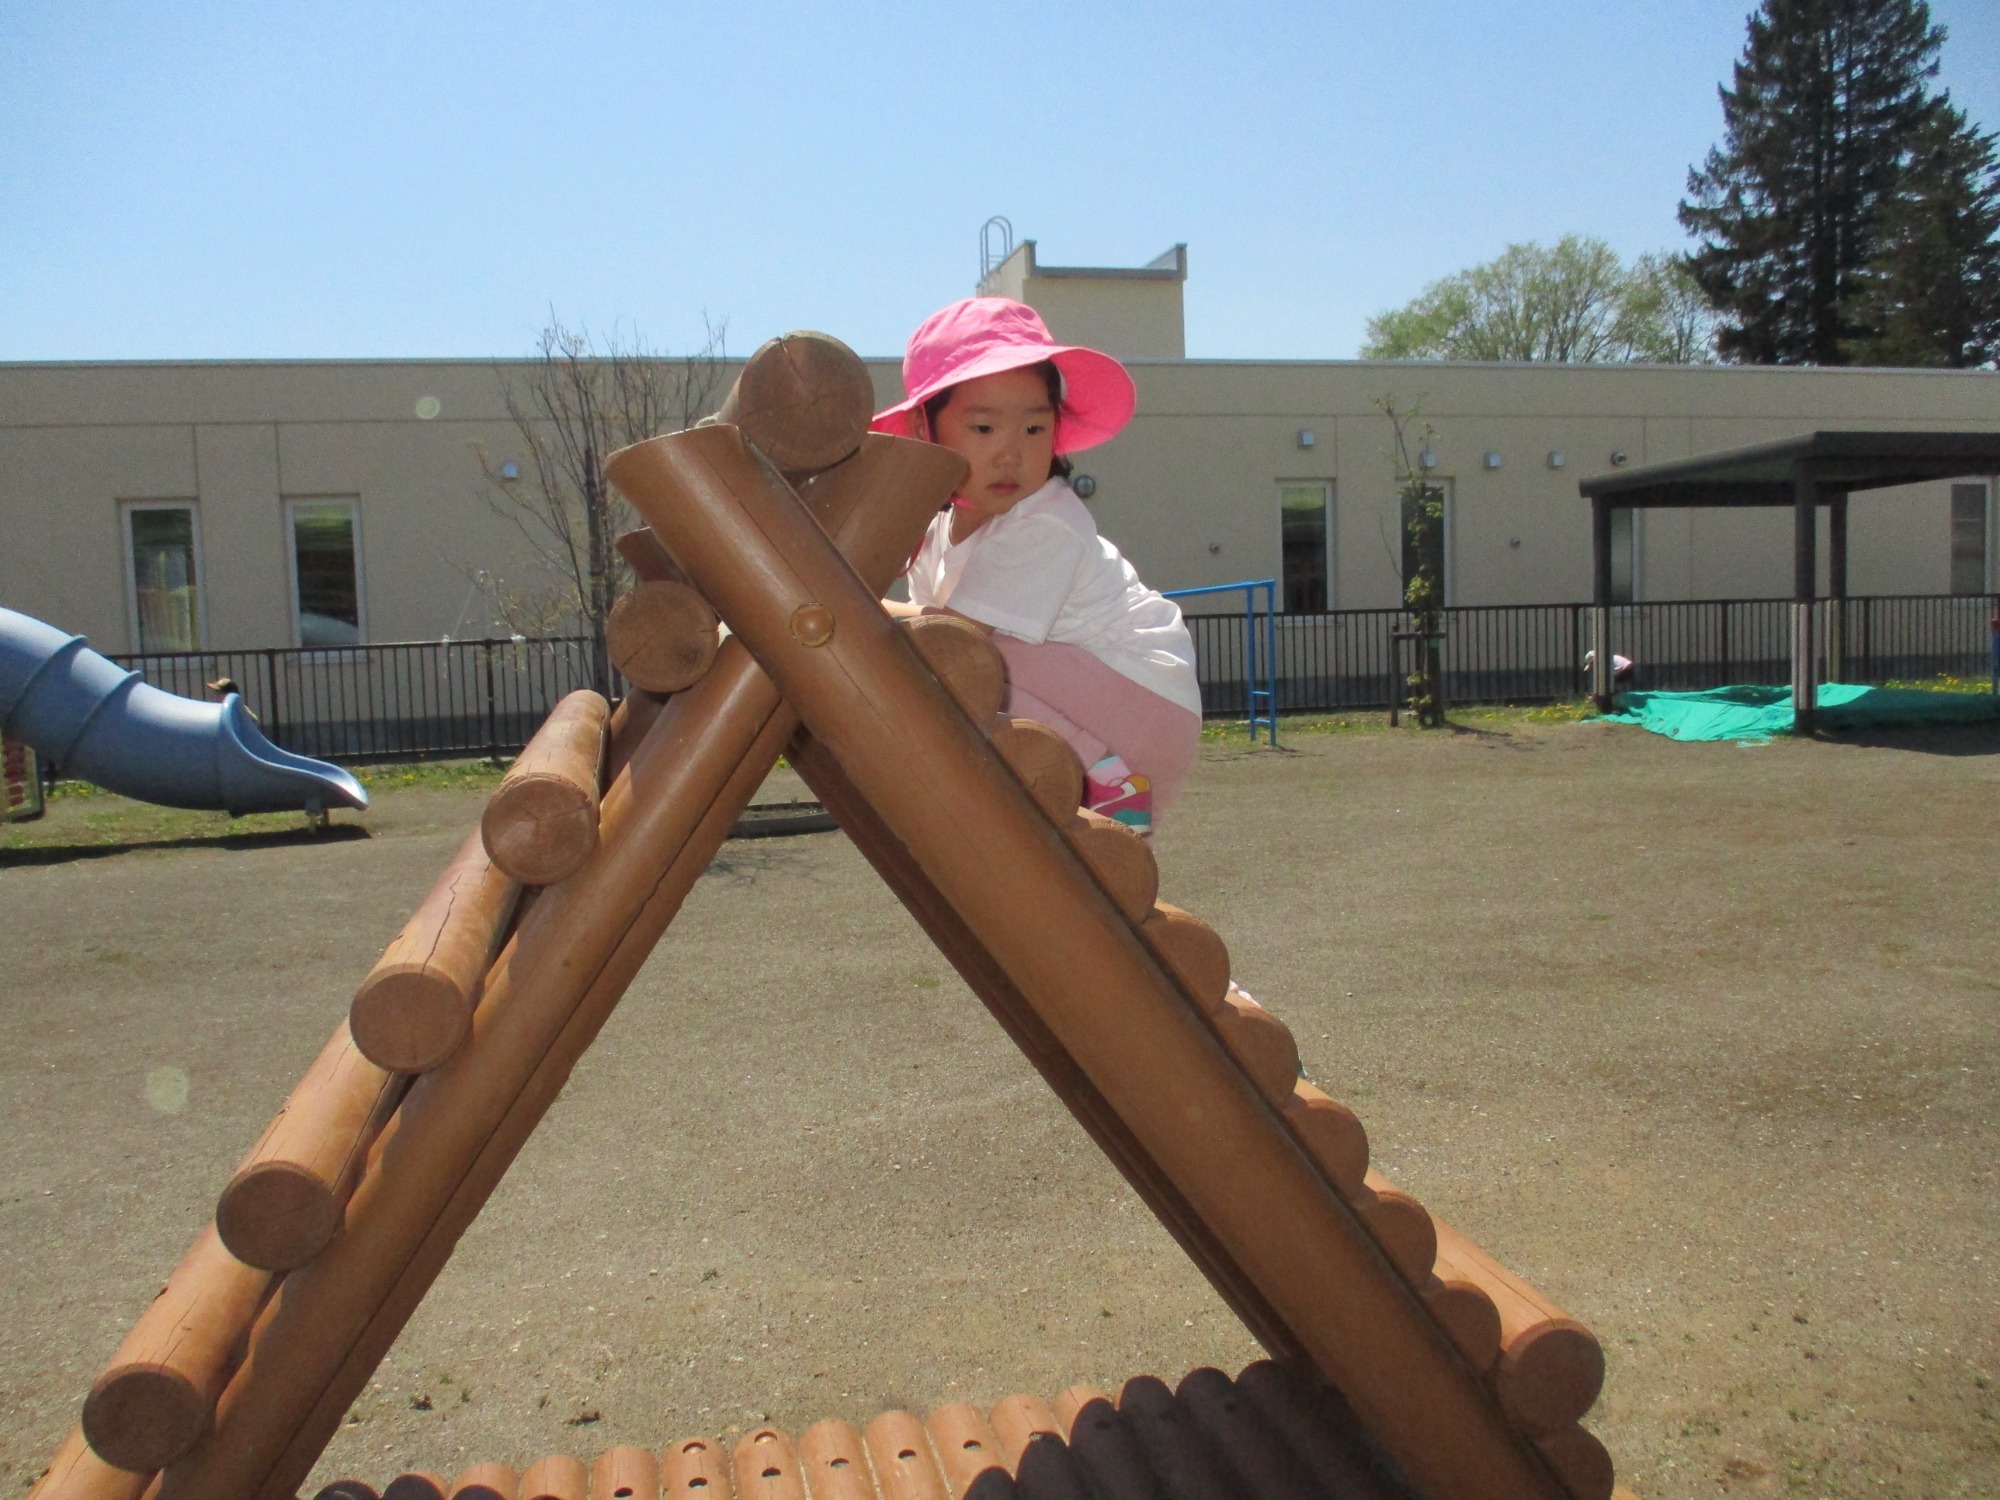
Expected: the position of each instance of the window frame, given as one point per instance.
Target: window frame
(128, 546)
(353, 504)
(1982, 514)
(1447, 545)
(1328, 499)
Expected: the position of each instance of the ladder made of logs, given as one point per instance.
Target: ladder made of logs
(785, 520)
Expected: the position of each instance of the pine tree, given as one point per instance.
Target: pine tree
(1827, 99)
(1932, 294)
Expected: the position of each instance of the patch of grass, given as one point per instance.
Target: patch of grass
(435, 775)
(1376, 721)
(137, 823)
(1945, 684)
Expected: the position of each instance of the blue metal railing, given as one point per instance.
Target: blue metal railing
(1267, 695)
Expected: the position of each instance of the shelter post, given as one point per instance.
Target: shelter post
(1836, 587)
(1805, 582)
(1600, 603)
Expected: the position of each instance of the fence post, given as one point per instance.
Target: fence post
(275, 727)
(1575, 663)
(492, 722)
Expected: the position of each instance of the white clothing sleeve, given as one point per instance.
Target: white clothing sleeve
(1020, 577)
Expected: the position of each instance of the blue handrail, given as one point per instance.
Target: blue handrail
(1268, 693)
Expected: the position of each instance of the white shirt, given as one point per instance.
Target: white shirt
(1042, 573)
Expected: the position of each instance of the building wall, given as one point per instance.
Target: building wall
(1200, 465)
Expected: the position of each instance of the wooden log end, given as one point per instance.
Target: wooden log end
(961, 657)
(662, 636)
(541, 828)
(488, 1481)
(1401, 1226)
(766, 1463)
(141, 1417)
(276, 1215)
(408, 1018)
(1121, 860)
(1550, 1374)
(1580, 1461)
(804, 399)
(1193, 951)
(1469, 1317)
(416, 1487)
(557, 1477)
(1334, 1135)
(1262, 1046)
(1042, 761)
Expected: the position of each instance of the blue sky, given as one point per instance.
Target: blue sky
(274, 180)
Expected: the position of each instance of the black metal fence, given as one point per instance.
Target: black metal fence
(421, 700)
(434, 699)
(1524, 653)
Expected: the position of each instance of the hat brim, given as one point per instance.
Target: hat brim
(1098, 395)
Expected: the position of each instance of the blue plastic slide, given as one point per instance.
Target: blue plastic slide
(104, 724)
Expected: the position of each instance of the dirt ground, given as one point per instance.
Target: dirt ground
(1699, 1038)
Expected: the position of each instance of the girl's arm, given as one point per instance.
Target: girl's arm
(898, 609)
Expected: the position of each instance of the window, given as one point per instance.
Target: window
(1428, 543)
(163, 546)
(1303, 511)
(1968, 539)
(1624, 556)
(326, 573)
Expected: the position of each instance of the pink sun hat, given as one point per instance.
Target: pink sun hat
(990, 335)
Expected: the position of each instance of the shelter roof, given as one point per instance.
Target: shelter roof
(1839, 461)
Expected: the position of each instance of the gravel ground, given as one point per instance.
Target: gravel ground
(1700, 1039)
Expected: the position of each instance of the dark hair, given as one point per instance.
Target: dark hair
(1059, 466)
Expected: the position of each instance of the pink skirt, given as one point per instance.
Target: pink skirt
(1101, 712)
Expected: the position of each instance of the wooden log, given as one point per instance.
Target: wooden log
(661, 636)
(1261, 1043)
(76, 1473)
(1333, 1134)
(1320, 1429)
(963, 659)
(1257, 1456)
(1101, 1441)
(488, 1481)
(969, 1453)
(1551, 1367)
(803, 399)
(550, 992)
(625, 1473)
(283, 1204)
(413, 1010)
(1402, 1227)
(557, 1477)
(695, 1468)
(630, 720)
(347, 1489)
(1175, 1451)
(1193, 952)
(1043, 762)
(1466, 1313)
(834, 1458)
(157, 1395)
(1121, 860)
(1032, 1447)
(1078, 962)
(416, 1487)
(766, 1467)
(647, 559)
(541, 824)
(1580, 1461)
(900, 1451)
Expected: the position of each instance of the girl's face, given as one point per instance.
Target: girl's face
(1003, 426)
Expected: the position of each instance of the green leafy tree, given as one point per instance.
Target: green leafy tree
(1826, 102)
(1931, 296)
(1571, 301)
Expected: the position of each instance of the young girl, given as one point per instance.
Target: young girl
(1090, 650)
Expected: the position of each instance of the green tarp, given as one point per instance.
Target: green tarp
(1757, 713)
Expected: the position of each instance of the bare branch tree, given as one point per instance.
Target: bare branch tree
(575, 404)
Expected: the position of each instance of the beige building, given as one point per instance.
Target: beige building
(320, 503)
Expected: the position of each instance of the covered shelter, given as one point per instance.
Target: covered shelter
(1805, 473)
